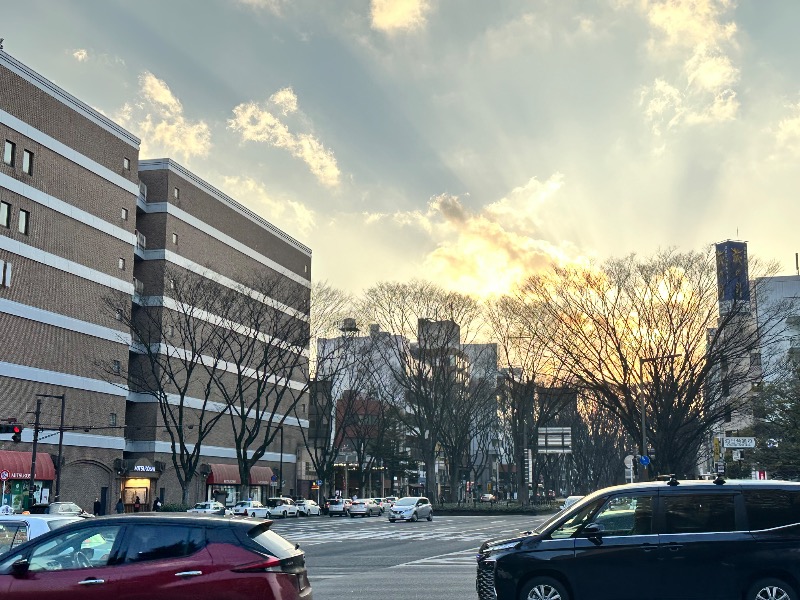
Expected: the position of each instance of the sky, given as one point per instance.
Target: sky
(467, 142)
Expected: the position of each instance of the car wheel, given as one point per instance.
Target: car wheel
(430, 516)
(330, 515)
(392, 520)
(253, 515)
(544, 588)
(352, 516)
(771, 589)
(414, 518)
(283, 514)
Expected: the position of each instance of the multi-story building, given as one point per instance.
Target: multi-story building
(87, 251)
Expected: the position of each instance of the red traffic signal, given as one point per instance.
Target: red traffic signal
(14, 429)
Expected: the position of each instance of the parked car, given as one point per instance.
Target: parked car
(569, 501)
(339, 507)
(244, 507)
(655, 540)
(17, 529)
(308, 508)
(211, 507)
(163, 555)
(280, 507)
(488, 498)
(64, 509)
(382, 503)
(389, 501)
(411, 508)
(364, 507)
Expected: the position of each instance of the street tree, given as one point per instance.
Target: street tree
(649, 332)
(777, 428)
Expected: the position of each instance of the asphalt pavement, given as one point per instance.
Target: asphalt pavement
(365, 558)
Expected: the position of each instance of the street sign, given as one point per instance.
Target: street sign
(645, 460)
(738, 442)
(721, 466)
(319, 481)
(4, 474)
(274, 478)
(628, 461)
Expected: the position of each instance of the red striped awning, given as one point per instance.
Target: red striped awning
(18, 465)
(224, 475)
(260, 475)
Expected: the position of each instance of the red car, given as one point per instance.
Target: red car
(158, 556)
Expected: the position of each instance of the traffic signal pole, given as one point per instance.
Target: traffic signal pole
(31, 486)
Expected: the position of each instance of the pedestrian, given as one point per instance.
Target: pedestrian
(120, 508)
(98, 507)
(157, 504)
(137, 504)
(441, 500)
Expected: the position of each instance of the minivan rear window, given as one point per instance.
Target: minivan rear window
(771, 508)
(699, 513)
(271, 542)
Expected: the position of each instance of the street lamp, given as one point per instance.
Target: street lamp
(31, 485)
(642, 360)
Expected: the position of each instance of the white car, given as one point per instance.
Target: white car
(246, 508)
(411, 508)
(308, 508)
(211, 508)
(365, 507)
(570, 501)
(280, 507)
(15, 529)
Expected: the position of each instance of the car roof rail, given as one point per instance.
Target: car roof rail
(673, 481)
(720, 480)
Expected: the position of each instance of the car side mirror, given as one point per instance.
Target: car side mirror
(20, 567)
(593, 530)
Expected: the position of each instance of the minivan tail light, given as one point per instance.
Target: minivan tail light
(268, 565)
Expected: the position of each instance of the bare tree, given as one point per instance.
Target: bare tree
(426, 371)
(175, 363)
(648, 332)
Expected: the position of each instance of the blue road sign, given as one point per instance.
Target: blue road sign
(274, 478)
(645, 460)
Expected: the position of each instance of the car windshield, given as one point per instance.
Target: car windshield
(201, 505)
(56, 523)
(242, 503)
(406, 502)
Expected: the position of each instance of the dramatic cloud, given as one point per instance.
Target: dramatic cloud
(256, 123)
(487, 251)
(157, 117)
(81, 55)
(290, 216)
(398, 15)
(695, 37)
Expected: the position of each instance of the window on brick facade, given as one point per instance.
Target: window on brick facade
(112, 419)
(5, 214)
(27, 161)
(126, 164)
(175, 238)
(121, 264)
(171, 330)
(5, 274)
(172, 284)
(24, 222)
(176, 193)
(9, 153)
(119, 314)
(116, 367)
(124, 214)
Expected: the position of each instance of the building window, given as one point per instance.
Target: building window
(121, 264)
(124, 214)
(5, 274)
(27, 162)
(24, 221)
(126, 164)
(112, 419)
(176, 193)
(116, 367)
(171, 330)
(5, 214)
(172, 284)
(175, 238)
(119, 314)
(9, 152)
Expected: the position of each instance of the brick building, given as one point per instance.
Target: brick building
(78, 235)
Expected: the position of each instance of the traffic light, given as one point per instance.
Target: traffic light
(14, 429)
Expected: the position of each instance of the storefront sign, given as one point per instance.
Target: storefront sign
(146, 468)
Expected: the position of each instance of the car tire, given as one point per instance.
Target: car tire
(414, 518)
(545, 588)
(430, 516)
(283, 514)
(330, 515)
(392, 520)
(253, 515)
(771, 589)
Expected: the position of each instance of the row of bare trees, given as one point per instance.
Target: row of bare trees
(453, 379)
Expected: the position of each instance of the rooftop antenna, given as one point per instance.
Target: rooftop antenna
(797, 263)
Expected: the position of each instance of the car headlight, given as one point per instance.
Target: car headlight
(501, 547)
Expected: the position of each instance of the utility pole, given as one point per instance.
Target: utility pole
(31, 485)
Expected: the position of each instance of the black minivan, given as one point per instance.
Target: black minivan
(676, 540)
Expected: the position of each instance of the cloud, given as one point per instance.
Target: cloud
(274, 6)
(291, 216)
(158, 118)
(399, 15)
(693, 35)
(255, 123)
(81, 55)
(489, 250)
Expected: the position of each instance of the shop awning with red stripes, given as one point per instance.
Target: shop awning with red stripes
(260, 475)
(18, 465)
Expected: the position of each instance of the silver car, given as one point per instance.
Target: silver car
(365, 507)
(16, 529)
(411, 508)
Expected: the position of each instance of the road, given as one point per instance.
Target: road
(369, 558)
